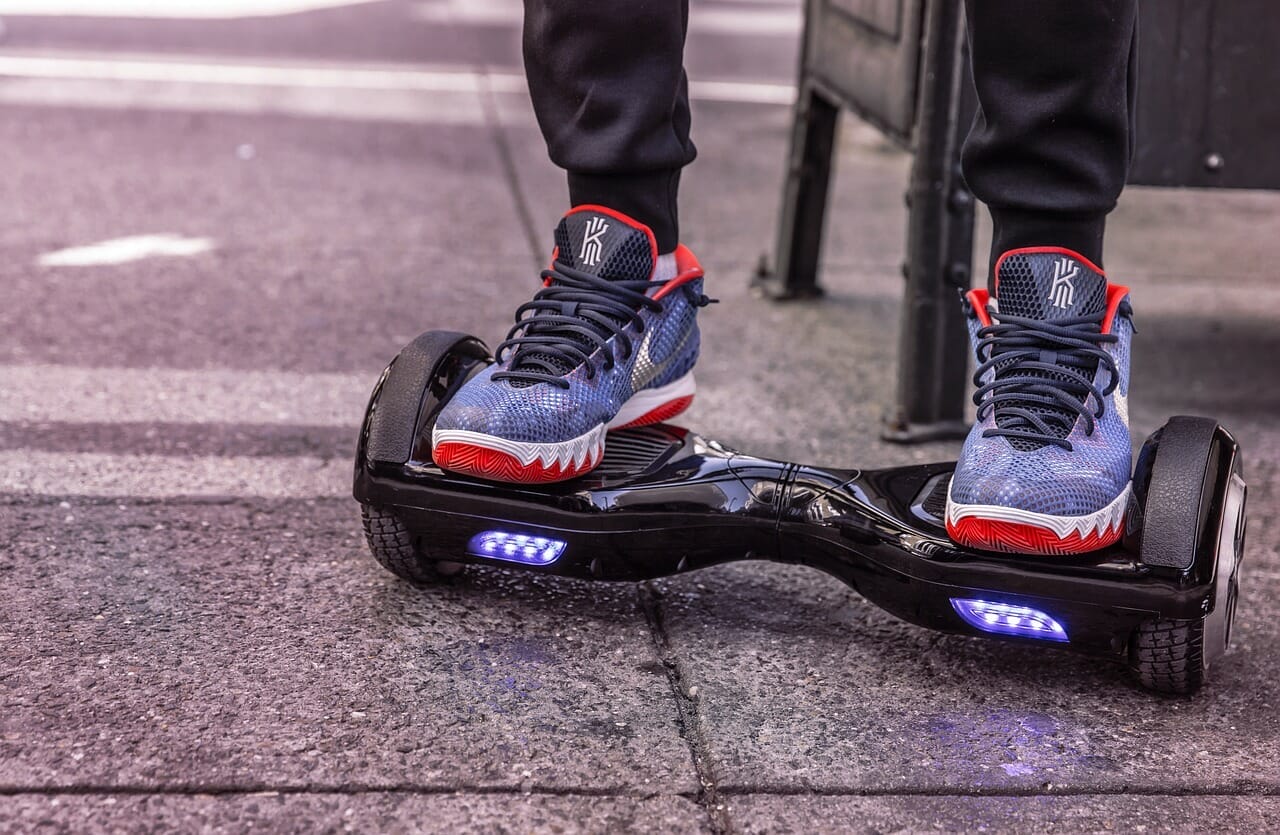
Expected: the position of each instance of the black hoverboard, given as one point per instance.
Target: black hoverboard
(665, 500)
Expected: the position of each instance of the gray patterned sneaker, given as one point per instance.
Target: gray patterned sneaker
(1046, 468)
(608, 342)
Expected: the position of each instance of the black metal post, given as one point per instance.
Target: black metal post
(932, 339)
(804, 199)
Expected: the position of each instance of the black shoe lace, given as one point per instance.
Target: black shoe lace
(1044, 374)
(571, 318)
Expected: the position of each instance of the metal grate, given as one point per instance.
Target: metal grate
(931, 503)
(632, 451)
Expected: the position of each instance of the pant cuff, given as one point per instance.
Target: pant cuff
(649, 198)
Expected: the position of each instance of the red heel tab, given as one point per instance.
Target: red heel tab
(687, 269)
(978, 300)
(1115, 294)
(686, 262)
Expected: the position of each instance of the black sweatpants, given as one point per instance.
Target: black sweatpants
(1048, 153)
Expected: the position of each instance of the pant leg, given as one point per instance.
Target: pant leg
(1050, 148)
(610, 93)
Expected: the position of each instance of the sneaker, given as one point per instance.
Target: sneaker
(1046, 468)
(609, 342)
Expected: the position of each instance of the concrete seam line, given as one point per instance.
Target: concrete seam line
(687, 716)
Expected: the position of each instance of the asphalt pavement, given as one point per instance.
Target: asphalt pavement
(217, 230)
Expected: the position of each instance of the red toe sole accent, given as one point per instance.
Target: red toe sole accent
(666, 411)
(495, 465)
(1017, 538)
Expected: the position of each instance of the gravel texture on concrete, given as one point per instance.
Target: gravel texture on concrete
(257, 646)
(239, 661)
(390, 813)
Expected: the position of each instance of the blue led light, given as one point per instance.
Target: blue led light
(1008, 619)
(523, 548)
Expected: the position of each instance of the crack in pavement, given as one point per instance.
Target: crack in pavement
(722, 792)
(227, 790)
(907, 791)
(687, 718)
(510, 170)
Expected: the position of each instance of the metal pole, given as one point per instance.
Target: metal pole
(932, 339)
(804, 195)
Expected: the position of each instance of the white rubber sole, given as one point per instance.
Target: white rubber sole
(1108, 520)
(649, 400)
(575, 453)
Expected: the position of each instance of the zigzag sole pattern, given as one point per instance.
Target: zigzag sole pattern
(495, 465)
(1017, 538)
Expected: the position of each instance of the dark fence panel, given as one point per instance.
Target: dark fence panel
(1208, 115)
(1208, 94)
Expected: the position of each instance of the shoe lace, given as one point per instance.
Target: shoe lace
(572, 317)
(1044, 374)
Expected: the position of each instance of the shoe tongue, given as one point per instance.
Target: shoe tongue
(609, 245)
(1048, 285)
(1045, 286)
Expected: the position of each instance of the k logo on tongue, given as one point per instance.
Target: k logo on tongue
(1062, 293)
(591, 246)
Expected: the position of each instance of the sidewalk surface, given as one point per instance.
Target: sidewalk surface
(194, 635)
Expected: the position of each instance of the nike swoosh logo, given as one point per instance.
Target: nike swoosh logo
(1122, 406)
(646, 369)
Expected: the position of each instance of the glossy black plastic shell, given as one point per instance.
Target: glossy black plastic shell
(666, 500)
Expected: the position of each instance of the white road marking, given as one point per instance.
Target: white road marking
(759, 21)
(78, 394)
(35, 472)
(749, 20)
(399, 106)
(130, 395)
(139, 80)
(423, 78)
(125, 250)
(173, 9)
(742, 92)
